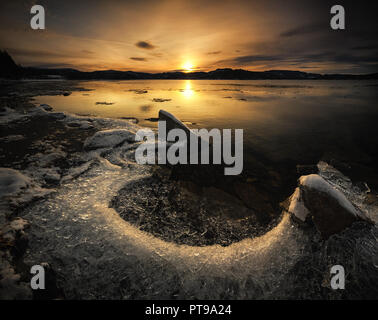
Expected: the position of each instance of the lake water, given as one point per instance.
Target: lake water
(294, 122)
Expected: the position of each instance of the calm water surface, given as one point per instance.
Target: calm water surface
(296, 121)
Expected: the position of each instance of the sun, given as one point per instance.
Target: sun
(188, 66)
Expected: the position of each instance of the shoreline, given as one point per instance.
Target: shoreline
(69, 166)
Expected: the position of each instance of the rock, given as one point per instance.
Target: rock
(152, 119)
(317, 201)
(46, 107)
(108, 138)
(138, 91)
(105, 103)
(172, 122)
(211, 177)
(83, 124)
(160, 100)
(57, 115)
(12, 182)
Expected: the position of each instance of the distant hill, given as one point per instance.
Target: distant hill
(8, 69)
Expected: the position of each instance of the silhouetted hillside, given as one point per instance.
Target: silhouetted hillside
(10, 70)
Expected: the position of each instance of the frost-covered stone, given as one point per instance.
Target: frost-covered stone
(297, 206)
(12, 181)
(109, 138)
(317, 183)
(326, 206)
(8, 115)
(46, 107)
(83, 124)
(172, 122)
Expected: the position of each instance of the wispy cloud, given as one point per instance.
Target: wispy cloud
(138, 59)
(214, 52)
(304, 29)
(87, 51)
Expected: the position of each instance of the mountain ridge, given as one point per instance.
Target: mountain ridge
(9, 69)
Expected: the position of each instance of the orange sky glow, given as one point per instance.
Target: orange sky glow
(177, 35)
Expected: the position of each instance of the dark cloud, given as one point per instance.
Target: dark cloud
(349, 58)
(138, 59)
(54, 65)
(37, 53)
(355, 59)
(145, 45)
(214, 52)
(305, 29)
(255, 58)
(87, 51)
(366, 47)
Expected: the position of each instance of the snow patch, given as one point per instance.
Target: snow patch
(83, 124)
(76, 171)
(12, 138)
(297, 206)
(12, 182)
(109, 138)
(46, 107)
(316, 182)
(9, 115)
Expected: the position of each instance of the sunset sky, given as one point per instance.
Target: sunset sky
(168, 35)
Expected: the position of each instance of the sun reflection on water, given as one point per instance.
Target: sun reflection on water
(188, 92)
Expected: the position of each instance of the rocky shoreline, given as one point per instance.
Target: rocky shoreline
(50, 149)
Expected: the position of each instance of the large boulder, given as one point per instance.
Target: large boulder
(172, 122)
(318, 201)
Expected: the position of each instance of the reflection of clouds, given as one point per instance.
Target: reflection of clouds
(145, 108)
(255, 98)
